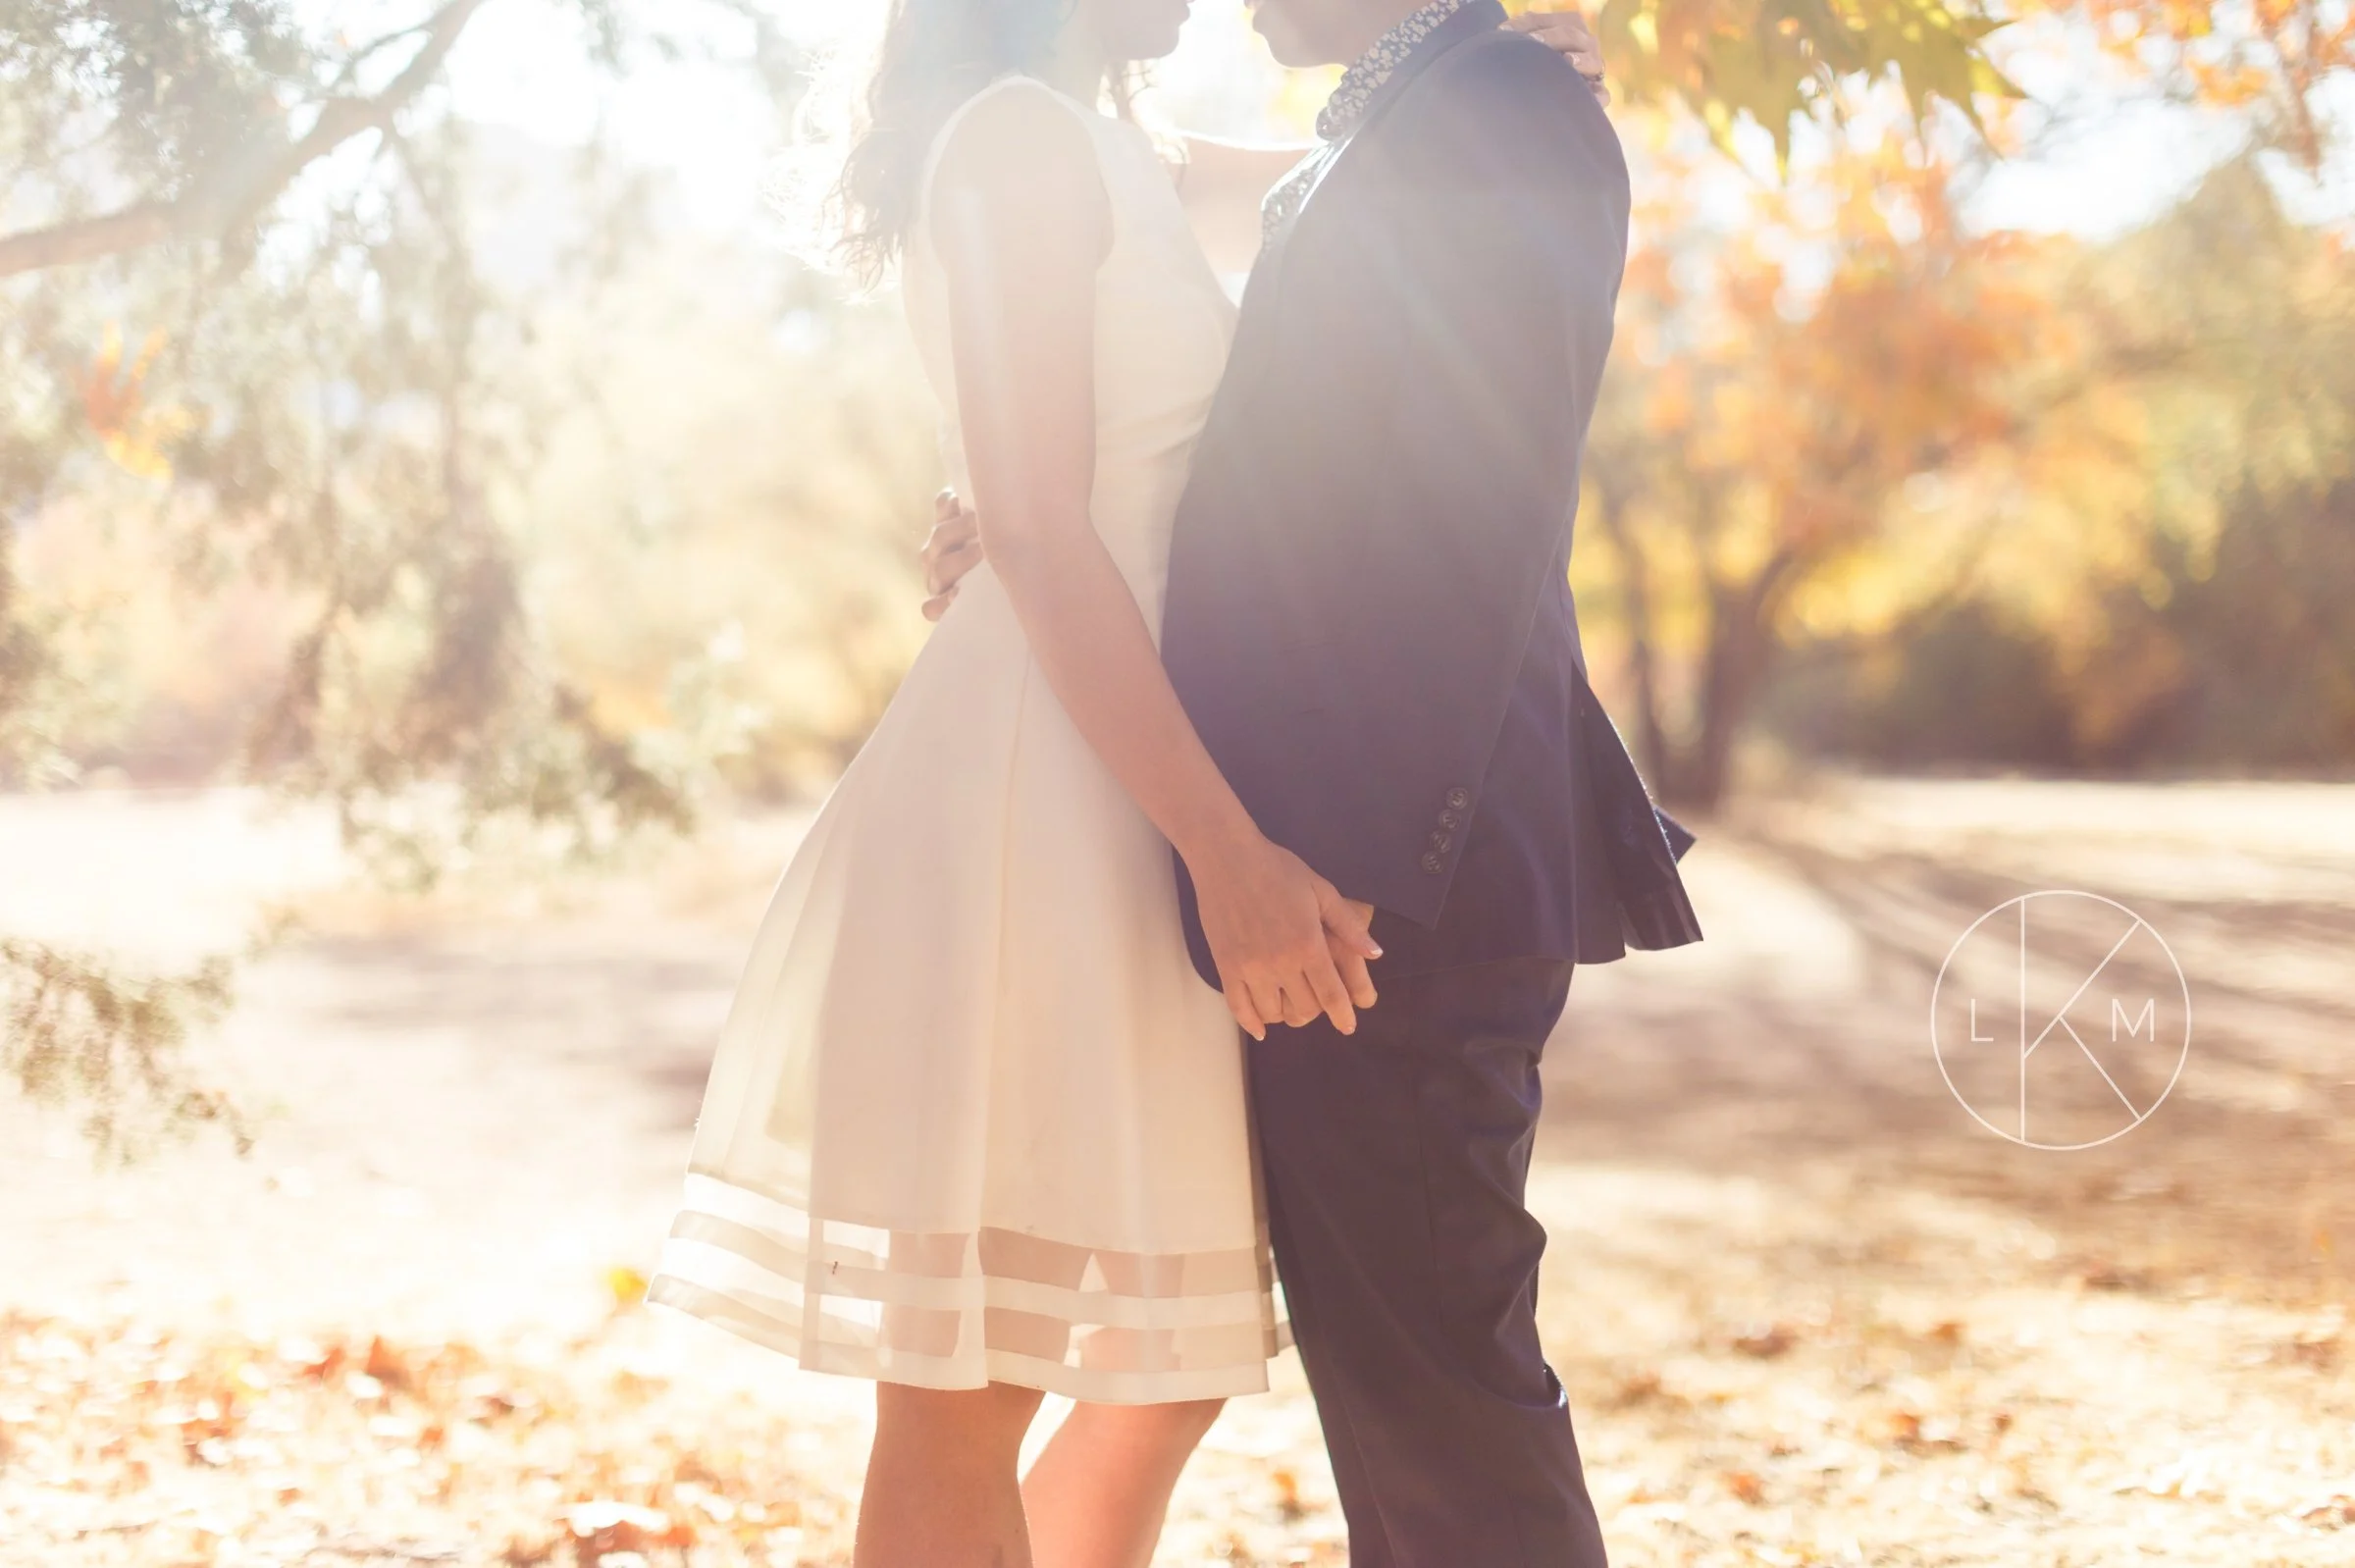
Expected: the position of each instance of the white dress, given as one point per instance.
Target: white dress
(974, 1116)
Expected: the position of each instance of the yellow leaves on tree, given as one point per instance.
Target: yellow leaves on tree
(2268, 55)
(1782, 373)
(114, 404)
(1778, 61)
(1824, 363)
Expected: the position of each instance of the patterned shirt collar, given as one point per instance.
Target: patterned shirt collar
(1375, 66)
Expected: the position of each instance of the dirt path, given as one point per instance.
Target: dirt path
(1808, 1311)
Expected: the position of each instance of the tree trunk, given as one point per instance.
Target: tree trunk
(1740, 647)
(1652, 754)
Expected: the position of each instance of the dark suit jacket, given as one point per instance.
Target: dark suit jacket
(1368, 614)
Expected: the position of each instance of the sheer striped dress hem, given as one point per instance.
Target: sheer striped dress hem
(952, 1310)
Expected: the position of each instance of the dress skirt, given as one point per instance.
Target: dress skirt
(973, 1118)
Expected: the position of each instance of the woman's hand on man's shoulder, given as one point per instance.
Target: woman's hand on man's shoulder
(1567, 34)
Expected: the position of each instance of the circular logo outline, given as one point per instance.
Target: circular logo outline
(2182, 1055)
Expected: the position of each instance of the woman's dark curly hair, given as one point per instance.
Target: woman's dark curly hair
(936, 54)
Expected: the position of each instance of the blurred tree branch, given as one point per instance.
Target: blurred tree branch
(232, 192)
(339, 399)
(2125, 464)
(79, 1029)
(1780, 63)
(1761, 433)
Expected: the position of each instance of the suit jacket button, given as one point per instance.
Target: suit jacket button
(1440, 841)
(1459, 797)
(1434, 864)
(1450, 819)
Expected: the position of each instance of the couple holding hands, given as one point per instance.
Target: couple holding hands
(1281, 590)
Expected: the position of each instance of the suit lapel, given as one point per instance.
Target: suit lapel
(1263, 294)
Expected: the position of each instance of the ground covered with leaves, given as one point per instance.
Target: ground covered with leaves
(2078, 1419)
(1808, 1311)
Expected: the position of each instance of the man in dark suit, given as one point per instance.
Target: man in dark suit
(1369, 620)
(1370, 623)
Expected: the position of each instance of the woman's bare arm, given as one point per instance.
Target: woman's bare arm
(1223, 183)
(1022, 221)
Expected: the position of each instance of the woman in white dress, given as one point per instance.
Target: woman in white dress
(976, 1129)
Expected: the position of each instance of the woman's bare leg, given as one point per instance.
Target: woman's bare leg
(941, 1489)
(1099, 1490)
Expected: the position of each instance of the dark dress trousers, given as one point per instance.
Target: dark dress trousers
(1396, 1163)
(1369, 620)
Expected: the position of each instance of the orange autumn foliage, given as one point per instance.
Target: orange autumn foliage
(114, 404)
(1778, 380)
(2269, 56)
(1776, 62)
